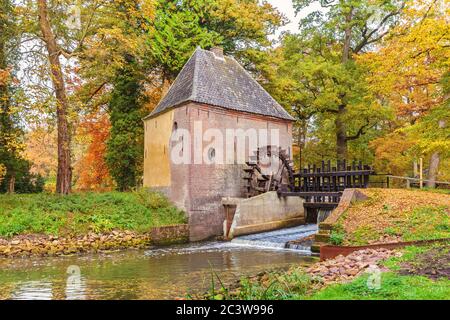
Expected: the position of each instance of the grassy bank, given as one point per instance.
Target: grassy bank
(391, 215)
(81, 213)
(420, 273)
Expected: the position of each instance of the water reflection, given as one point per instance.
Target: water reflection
(136, 274)
(33, 290)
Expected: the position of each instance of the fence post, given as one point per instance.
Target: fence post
(421, 172)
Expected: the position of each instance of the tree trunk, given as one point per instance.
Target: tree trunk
(341, 134)
(434, 164)
(347, 36)
(12, 183)
(64, 174)
(341, 128)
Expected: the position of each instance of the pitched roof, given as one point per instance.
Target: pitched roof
(219, 81)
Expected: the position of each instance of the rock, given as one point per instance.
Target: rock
(352, 272)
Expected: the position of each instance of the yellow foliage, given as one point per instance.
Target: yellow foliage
(2, 172)
(408, 66)
(4, 77)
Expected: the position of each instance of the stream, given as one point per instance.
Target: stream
(159, 273)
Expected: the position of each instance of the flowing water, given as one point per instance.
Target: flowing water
(161, 273)
(322, 214)
(278, 238)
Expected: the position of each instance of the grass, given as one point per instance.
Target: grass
(393, 287)
(295, 284)
(441, 191)
(291, 285)
(80, 213)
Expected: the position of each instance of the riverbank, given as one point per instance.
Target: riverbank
(48, 224)
(393, 215)
(410, 273)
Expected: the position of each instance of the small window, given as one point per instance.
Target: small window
(211, 154)
(175, 126)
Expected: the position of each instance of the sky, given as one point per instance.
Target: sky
(285, 7)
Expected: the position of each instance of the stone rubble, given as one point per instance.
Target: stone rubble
(48, 245)
(342, 269)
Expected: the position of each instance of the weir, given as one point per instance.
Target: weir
(279, 238)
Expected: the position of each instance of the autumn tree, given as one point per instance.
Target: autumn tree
(11, 142)
(91, 169)
(54, 52)
(321, 57)
(410, 73)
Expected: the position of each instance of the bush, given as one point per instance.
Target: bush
(337, 235)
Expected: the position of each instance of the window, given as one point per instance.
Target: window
(211, 154)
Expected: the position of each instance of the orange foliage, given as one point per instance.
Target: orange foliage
(41, 150)
(392, 153)
(91, 168)
(4, 77)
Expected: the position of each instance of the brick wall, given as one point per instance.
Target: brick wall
(199, 188)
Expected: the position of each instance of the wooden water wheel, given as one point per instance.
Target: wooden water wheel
(269, 169)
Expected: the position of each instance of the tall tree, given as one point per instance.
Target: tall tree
(125, 145)
(10, 131)
(64, 173)
(410, 73)
(330, 39)
(71, 35)
(242, 27)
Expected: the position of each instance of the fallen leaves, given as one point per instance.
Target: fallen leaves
(378, 219)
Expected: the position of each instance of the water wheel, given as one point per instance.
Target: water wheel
(269, 169)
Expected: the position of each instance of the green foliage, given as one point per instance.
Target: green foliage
(337, 238)
(338, 234)
(25, 181)
(178, 31)
(241, 27)
(393, 287)
(290, 285)
(318, 80)
(124, 154)
(83, 212)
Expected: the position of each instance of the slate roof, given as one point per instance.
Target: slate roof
(219, 81)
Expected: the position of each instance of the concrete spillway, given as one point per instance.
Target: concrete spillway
(278, 238)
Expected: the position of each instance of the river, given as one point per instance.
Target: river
(160, 273)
